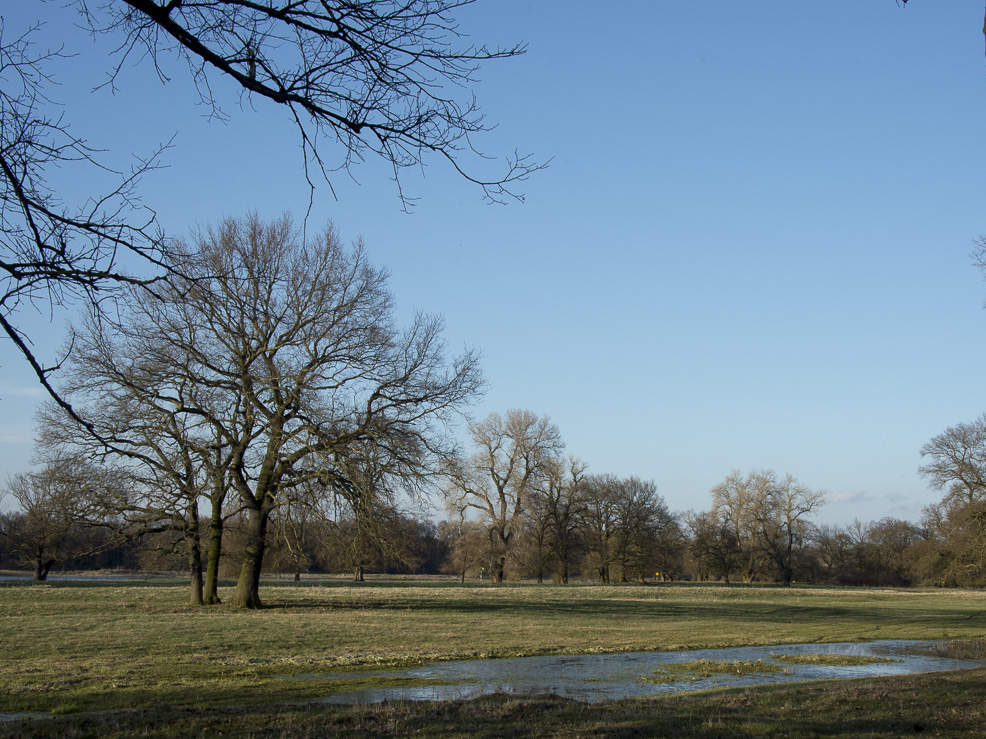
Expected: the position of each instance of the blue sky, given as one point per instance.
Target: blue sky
(751, 249)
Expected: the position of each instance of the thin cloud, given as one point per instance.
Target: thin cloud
(845, 497)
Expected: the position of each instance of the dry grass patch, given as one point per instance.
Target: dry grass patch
(831, 659)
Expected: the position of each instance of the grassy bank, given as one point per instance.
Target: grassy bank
(946, 704)
(72, 648)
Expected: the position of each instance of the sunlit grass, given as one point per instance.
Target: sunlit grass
(704, 668)
(70, 648)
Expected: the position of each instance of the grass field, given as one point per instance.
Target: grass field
(119, 658)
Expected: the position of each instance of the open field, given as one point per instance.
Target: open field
(71, 648)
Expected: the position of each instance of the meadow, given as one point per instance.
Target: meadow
(134, 658)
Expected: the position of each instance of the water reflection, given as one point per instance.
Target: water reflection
(599, 677)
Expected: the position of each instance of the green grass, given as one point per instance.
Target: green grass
(702, 668)
(75, 648)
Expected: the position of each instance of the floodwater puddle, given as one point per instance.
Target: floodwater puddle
(599, 677)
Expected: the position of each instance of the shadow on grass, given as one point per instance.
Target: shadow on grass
(790, 612)
(947, 703)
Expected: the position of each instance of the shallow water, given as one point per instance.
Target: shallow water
(599, 677)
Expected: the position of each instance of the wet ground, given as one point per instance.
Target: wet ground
(599, 677)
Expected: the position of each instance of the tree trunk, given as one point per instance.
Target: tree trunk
(497, 568)
(247, 593)
(193, 542)
(194, 574)
(215, 551)
(564, 572)
(747, 575)
(358, 573)
(500, 540)
(42, 567)
(297, 573)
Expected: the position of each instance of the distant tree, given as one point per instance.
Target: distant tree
(422, 549)
(666, 546)
(734, 502)
(714, 545)
(781, 514)
(769, 517)
(951, 551)
(536, 534)
(468, 545)
(501, 476)
(294, 530)
(956, 461)
(648, 538)
(888, 551)
(563, 498)
(836, 556)
(551, 520)
(627, 530)
(599, 524)
(52, 504)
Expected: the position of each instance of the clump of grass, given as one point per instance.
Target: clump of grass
(830, 659)
(953, 649)
(703, 668)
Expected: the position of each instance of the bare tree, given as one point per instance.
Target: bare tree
(951, 548)
(957, 461)
(499, 479)
(131, 378)
(356, 80)
(298, 337)
(382, 78)
(564, 501)
(468, 544)
(647, 534)
(768, 516)
(53, 502)
(780, 511)
(714, 545)
(627, 529)
(599, 523)
(54, 251)
(734, 503)
(536, 534)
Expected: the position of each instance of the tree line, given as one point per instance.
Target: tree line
(519, 508)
